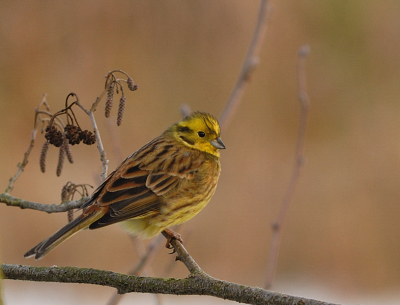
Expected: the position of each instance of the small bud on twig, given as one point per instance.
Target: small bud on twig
(131, 85)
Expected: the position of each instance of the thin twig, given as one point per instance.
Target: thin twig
(100, 147)
(250, 62)
(21, 166)
(184, 256)
(49, 208)
(299, 162)
(186, 234)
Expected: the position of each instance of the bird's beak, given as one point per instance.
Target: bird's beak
(217, 143)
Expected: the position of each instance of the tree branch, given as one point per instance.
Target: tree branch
(49, 208)
(192, 285)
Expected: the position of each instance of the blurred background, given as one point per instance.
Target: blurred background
(341, 239)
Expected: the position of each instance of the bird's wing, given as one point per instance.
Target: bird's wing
(137, 188)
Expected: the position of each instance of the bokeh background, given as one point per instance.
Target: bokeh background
(341, 238)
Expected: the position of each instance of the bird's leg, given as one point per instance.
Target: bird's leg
(169, 235)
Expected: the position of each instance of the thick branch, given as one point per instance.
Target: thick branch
(49, 208)
(193, 285)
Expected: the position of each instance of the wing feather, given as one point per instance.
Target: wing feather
(137, 188)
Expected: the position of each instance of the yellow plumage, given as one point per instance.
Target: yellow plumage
(166, 182)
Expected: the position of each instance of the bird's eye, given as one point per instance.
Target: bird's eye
(201, 134)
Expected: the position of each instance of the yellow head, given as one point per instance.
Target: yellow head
(200, 131)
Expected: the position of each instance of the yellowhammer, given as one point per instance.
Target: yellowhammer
(165, 183)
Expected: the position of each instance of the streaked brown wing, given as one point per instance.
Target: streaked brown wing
(127, 195)
(137, 188)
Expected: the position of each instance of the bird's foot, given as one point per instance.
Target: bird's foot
(169, 235)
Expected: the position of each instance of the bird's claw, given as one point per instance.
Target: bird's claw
(172, 235)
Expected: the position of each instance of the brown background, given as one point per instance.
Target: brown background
(342, 236)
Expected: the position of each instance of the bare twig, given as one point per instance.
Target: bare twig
(93, 108)
(184, 256)
(21, 166)
(49, 208)
(110, 77)
(299, 162)
(100, 147)
(193, 285)
(171, 265)
(250, 62)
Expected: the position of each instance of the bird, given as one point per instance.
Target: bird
(165, 183)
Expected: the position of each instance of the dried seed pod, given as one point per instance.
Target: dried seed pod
(131, 85)
(88, 137)
(69, 153)
(50, 130)
(54, 136)
(43, 154)
(110, 99)
(121, 109)
(72, 134)
(61, 157)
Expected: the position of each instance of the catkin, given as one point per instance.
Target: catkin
(61, 157)
(68, 152)
(110, 99)
(43, 154)
(121, 109)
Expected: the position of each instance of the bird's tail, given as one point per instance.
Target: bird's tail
(73, 227)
